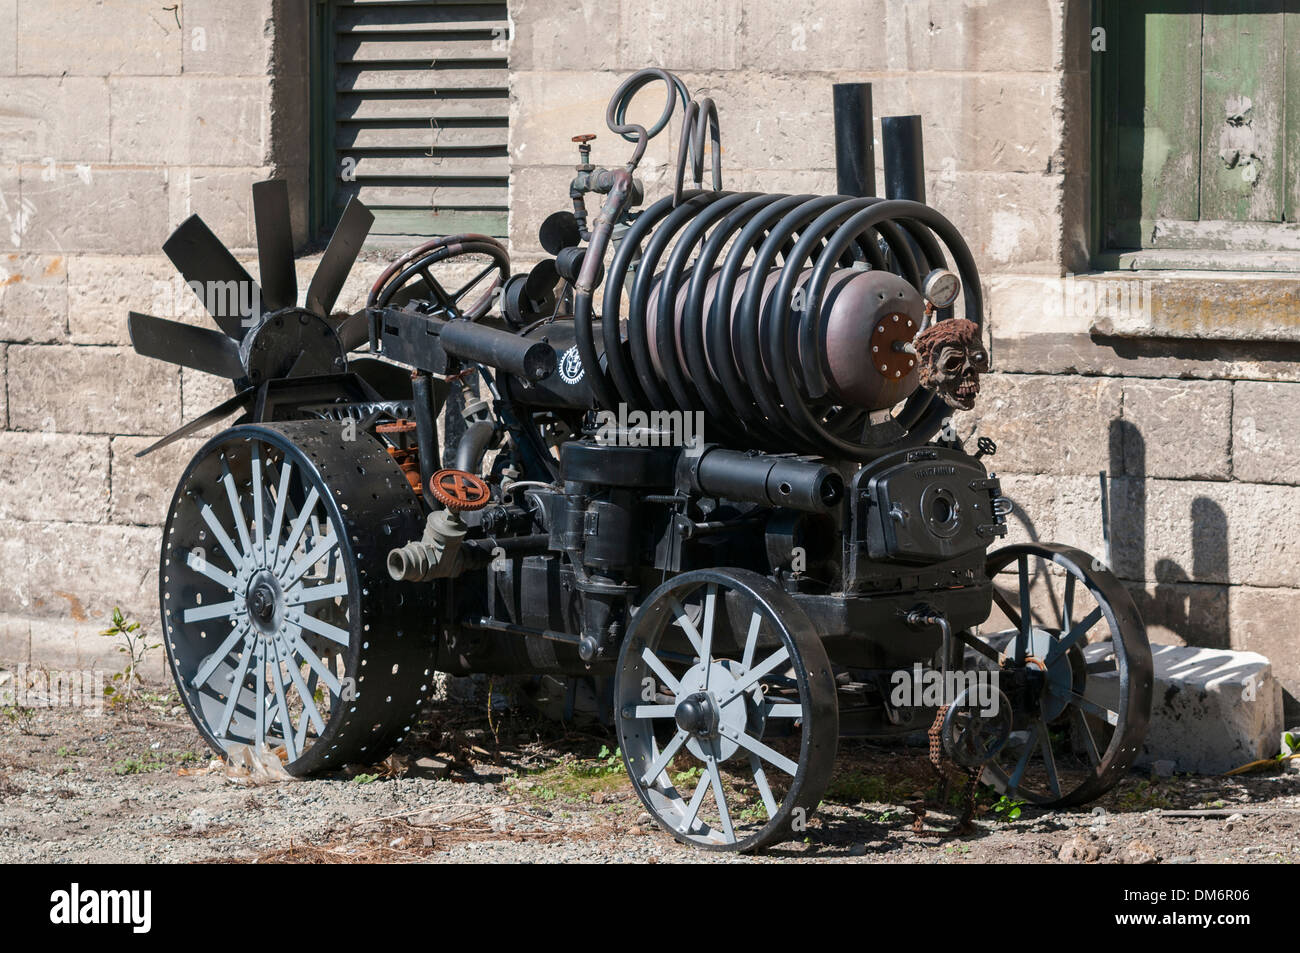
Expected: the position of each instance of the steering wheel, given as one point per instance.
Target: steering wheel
(412, 277)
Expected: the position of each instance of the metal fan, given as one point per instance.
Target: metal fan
(264, 334)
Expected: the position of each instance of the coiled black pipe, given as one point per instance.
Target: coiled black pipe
(702, 333)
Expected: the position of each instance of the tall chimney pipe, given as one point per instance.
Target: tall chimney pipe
(855, 151)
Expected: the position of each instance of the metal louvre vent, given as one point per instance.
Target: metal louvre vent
(419, 115)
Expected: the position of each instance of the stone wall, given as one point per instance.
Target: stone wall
(117, 120)
(1191, 429)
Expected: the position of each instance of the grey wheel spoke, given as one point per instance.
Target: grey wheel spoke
(784, 710)
(1063, 645)
(209, 665)
(277, 518)
(679, 611)
(295, 531)
(201, 565)
(223, 538)
(1022, 631)
(706, 636)
(236, 511)
(301, 595)
(654, 711)
(236, 688)
(1102, 666)
(693, 809)
(282, 702)
(983, 648)
(751, 640)
(752, 676)
(1013, 783)
(299, 569)
(259, 725)
(658, 667)
(320, 627)
(764, 789)
(1091, 707)
(656, 767)
(1067, 605)
(308, 703)
(259, 511)
(1008, 610)
(1049, 760)
(234, 607)
(1085, 732)
(719, 795)
(313, 661)
(754, 746)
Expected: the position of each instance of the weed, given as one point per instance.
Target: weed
(135, 646)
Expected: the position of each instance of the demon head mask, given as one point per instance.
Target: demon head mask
(952, 358)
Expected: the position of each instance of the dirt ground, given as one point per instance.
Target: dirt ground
(137, 785)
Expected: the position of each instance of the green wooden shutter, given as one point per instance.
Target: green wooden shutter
(416, 115)
(1198, 133)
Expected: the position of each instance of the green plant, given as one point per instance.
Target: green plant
(690, 774)
(135, 646)
(365, 778)
(20, 717)
(1008, 809)
(141, 765)
(607, 762)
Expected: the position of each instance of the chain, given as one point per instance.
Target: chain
(936, 762)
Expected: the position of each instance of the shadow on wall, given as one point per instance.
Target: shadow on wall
(1192, 605)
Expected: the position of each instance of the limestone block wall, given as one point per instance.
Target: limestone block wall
(117, 120)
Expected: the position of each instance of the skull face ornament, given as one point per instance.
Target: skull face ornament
(952, 358)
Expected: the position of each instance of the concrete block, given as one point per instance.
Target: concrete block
(1263, 621)
(33, 298)
(1211, 711)
(1181, 613)
(1054, 509)
(680, 35)
(1018, 36)
(193, 121)
(1192, 531)
(45, 647)
(96, 208)
(226, 39)
(73, 37)
(59, 121)
(1266, 445)
(143, 486)
(4, 391)
(814, 36)
(1047, 424)
(51, 477)
(8, 37)
(91, 390)
(222, 196)
(1178, 429)
(79, 572)
(200, 393)
(564, 34)
(1019, 229)
(102, 289)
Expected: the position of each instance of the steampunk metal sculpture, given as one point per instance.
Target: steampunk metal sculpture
(751, 597)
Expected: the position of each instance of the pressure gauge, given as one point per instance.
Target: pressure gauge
(941, 288)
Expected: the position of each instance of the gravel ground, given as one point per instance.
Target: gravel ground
(136, 785)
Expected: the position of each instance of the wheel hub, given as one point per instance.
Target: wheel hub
(265, 603)
(698, 714)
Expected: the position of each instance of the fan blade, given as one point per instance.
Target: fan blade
(241, 401)
(200, 348)
(274, 244)
(225, 288)
(342, 251)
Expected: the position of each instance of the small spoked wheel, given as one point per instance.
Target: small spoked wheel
(1072, 655)
(727, 714)
(283, 628)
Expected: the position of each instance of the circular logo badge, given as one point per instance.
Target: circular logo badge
(571, 369)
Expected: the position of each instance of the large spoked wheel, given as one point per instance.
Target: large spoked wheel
(283, 628)
(1073, 657)
(727, 712)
